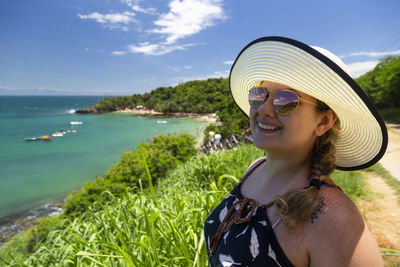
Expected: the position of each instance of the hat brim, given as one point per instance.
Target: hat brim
(362, 139)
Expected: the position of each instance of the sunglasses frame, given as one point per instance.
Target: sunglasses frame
(269, 93)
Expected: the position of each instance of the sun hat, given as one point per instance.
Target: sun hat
(315, 71)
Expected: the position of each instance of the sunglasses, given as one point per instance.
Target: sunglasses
(284, 101)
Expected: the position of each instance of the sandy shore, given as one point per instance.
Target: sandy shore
(152, 113)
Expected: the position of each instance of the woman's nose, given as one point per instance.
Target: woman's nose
(267, 108)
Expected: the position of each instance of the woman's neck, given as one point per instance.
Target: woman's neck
(289, 171)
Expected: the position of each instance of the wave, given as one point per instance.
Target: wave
(71, 111)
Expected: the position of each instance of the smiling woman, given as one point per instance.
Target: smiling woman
(310, 117)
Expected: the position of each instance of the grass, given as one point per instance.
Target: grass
(160, 226)
(391, 257)
(352, 183)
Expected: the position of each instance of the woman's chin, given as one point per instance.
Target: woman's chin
(265, 140)
(264, 144)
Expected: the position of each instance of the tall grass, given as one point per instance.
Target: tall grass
(153, 227)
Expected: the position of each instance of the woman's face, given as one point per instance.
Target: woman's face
(292, 134)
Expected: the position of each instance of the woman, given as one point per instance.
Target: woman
(310, 117)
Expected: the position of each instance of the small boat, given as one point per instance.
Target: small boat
(46, 138)
(33, 138)
(161, 122)
(61, 131)
(71, 131)
(57, 134)
(76, 123)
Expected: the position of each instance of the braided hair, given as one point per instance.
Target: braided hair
(296, 207)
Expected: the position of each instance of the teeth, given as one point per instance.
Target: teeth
(268, 127)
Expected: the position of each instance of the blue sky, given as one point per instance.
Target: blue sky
(121, 47)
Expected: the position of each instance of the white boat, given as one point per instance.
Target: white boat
(71, 131)
(161, 122)
(76, 123)
(57, 134)
(33, 138)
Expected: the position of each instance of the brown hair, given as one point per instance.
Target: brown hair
(295, 207)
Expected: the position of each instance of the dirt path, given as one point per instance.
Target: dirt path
(391, 160)
(382, 212)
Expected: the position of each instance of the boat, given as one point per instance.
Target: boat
(46, 138)
(76, 123)
(61, 131)
(161, 122)
(33, 138)
(57, 134)
(71, 131)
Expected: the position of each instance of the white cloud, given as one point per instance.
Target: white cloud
(372, 54)
(134, 4)
(185, 18)
(177, 69)
(359, 68)
(118, 53)
(188, 17)
(112, 20)
(229, 62)
(155, 49)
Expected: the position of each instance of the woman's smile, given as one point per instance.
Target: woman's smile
(267, 128)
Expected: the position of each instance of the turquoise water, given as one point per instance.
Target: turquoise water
(39, 172)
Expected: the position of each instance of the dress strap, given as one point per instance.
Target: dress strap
(252, 167)
(229, 220)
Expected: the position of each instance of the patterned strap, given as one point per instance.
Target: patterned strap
(251, 168)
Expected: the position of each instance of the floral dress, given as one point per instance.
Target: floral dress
(239, 233)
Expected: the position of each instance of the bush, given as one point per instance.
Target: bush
(383, 82)
(162, 153)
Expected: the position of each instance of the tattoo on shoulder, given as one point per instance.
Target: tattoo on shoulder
(319, 210)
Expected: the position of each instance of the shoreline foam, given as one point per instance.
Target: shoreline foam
(13, 224)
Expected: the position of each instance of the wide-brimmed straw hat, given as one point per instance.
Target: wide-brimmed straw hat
(362, 139)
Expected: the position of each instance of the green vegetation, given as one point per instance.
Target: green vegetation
(352, 183)
(154, 227)
(382, 86)
(390, 114)
(200, 97)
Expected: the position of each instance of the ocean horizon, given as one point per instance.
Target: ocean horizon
(35, 173)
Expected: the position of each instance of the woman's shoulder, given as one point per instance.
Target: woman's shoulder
(335, 209)
(256, 163)
(337, 233)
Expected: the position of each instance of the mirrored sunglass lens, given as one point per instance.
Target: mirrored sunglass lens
(285, 102)
(257, 96)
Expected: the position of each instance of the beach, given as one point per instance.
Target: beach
(211, 118)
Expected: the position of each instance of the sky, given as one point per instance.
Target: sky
(125, 47)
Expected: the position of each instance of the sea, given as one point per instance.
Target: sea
(36, 173)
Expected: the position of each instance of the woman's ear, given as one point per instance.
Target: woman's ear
(326, 119)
